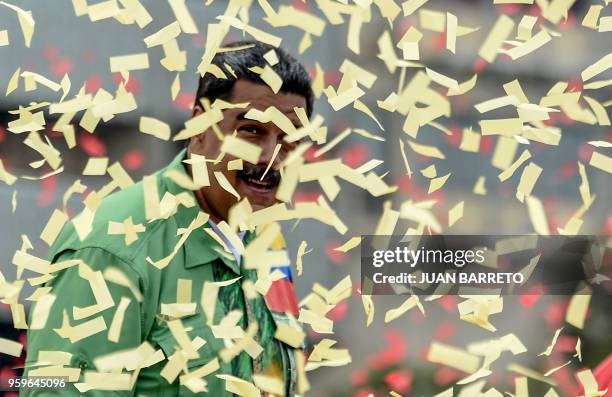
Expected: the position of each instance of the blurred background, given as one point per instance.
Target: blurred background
(384, 356)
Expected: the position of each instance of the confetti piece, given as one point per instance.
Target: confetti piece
(292, 336)
(325, 355)
(596, 68)
(349, 245)
(605, 24)
(163, 35)
(591, 18)
(96, 166)
(271, 57)
(239, 386)
(525, 27)
(6, 176)
(506, 127)
(120, 176)
(453, 357)
(556, 10)
(411, 302)
(241, 148)
(496, 103)
(81, 331)
(550, 348)
(599, 110)
(54, 226)
(410, 6)
(443, 80)
(126, 63)
(537, 216)
(451, 32)
(269, 384)
(464, 87)
(13, 82)
(340, 101)
(10, 347)
(425, 150)
(578, 308)
(226, 185)
(529, 177)
(521, 370)
(137, 11)
(257, 34)
(4, 38)
(455, 213)
(103, 10)
(508, 172)
(26, 22)
(179, 8)
(437, 183)
(155, 127)
(500, 32)
(601, 161)
(531, 45)
(589, 383)
(114, 331)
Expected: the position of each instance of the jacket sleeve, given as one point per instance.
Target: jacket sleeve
(77, 291)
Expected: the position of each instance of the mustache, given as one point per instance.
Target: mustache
(253, 171)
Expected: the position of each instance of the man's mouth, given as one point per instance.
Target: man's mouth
(251, 175)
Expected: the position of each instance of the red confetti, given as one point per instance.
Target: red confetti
(339, 312)
(393, 354)
(133, 160)
(184, 101)
(400, 380)
(445, 331)
(336, 257)
(50, 53)
(47, 192)
(133, 84)
(356, 155)
(446, 375)
(359, 377)
(92, 145)
(62, 66)
(93, 84)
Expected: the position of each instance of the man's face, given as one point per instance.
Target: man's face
(260, 193)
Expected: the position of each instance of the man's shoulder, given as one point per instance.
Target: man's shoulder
(118, 226)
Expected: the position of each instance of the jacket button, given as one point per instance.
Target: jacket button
(83, 365)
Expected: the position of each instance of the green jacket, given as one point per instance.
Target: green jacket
(199, 259)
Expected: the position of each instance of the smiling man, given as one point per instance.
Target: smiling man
(154, 299)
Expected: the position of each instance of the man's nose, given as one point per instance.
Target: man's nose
(268, 147)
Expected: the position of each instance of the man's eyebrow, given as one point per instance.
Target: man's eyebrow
(241, 115)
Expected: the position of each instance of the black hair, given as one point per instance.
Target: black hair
(296, 79)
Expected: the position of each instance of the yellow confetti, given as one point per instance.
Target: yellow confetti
(601, 161)
(179, 8)
(26, 22)
(453, 357)
(500, 31)
(126, 63)
(578, 307)
(455, 213)
(598, 67)
(155, 127)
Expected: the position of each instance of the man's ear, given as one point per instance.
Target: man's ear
(197, 109)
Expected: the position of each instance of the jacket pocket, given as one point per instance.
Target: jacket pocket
(193, 371)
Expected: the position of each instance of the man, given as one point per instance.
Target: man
(178, 284)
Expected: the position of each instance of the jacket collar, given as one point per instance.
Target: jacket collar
(200, 248)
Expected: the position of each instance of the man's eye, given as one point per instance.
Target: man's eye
(249, 130)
